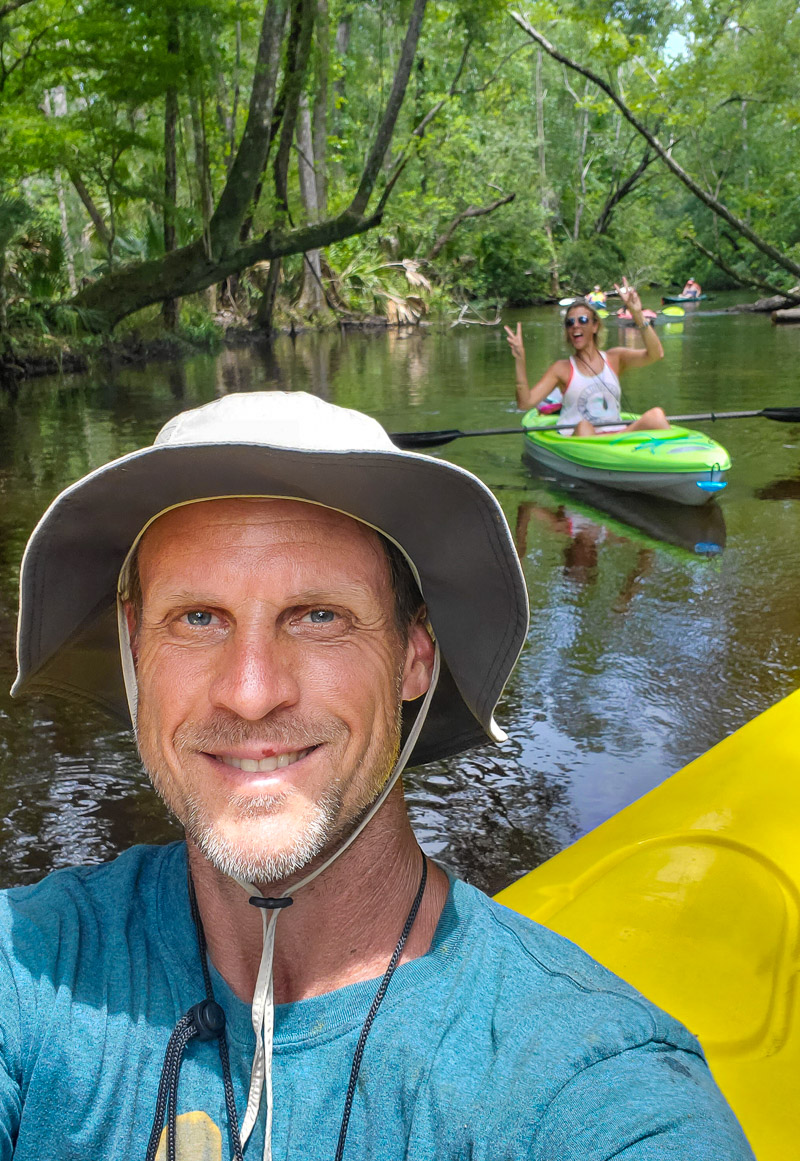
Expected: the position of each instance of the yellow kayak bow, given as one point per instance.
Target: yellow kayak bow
(692, 894)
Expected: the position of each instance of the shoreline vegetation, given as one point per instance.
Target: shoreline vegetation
(24, 355)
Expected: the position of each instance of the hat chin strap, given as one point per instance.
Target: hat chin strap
(263, 1008)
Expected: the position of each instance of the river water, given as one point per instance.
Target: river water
(647, 645)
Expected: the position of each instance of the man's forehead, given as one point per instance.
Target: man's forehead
(290, 517)
(254, 523)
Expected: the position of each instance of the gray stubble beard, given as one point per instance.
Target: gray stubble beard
(320, 832)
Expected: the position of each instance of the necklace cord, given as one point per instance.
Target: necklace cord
(222, 1040)
(206, 1021)
(373, 1011)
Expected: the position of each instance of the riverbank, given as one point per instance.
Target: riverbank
(27, 355)
(32, 357)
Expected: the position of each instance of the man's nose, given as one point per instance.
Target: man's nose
(255, 677)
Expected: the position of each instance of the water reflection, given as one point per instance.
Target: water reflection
(641, 654)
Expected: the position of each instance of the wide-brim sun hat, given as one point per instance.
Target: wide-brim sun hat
(280, 445)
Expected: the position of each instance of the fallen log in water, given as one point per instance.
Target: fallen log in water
(792, 315)
(763, 305)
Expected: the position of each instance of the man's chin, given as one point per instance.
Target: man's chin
(264, 849)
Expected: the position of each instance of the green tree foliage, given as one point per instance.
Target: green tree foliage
(86, 147)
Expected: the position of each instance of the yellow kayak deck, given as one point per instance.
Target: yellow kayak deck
(692, 894)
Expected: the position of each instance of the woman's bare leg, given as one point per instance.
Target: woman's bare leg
(652, 420)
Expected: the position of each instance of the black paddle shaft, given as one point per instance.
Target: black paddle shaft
(413, 440)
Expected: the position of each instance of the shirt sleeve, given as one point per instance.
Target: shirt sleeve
(650, 1103)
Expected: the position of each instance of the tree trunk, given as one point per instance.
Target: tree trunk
(582, 168)
(58, 105)
(738, 224)
(266, 307)
(343, 30)
(319, 113)
(555, 289)
(311, 299)
(170, 306)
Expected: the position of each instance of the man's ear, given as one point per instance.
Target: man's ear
(419, 660)
(133, 630)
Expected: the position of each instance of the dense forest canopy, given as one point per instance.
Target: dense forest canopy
(387, 156)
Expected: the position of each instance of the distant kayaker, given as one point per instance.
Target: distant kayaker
(596, 296)
(589, 378)
(692, 289)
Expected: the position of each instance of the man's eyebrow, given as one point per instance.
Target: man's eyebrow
(334, 591)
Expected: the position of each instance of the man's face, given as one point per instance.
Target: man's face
(271, 673)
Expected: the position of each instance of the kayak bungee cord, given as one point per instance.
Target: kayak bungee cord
(199, 1020)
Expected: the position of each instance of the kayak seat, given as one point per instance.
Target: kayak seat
(704, 927)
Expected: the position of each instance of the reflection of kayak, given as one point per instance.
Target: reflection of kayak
(692, 894)
(677, 464)
(700, 531)
(665, 298)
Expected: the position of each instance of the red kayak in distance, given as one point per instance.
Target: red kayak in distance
(626, 315)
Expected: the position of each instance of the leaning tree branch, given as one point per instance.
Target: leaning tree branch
(12, 6)
(129, 288)
(102, 230)
(383, 136)
(251, 156)
(469, 212)
(621, 191)
(745, 279)
(707, 199)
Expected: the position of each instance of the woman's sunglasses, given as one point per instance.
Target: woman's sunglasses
(583, 319)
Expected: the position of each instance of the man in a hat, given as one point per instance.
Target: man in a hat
(291, 609)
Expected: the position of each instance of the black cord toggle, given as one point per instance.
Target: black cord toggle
(208, 1020)
(271, 904)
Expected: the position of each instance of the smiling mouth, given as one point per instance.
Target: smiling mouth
(264, 765)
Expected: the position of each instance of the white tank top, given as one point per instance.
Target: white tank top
(589, 396)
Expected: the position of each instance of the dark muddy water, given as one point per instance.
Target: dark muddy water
(653, 634)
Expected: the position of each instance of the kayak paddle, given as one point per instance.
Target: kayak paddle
(410, 440)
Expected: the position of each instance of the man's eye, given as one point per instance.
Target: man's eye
(198, 617)
(321, 616)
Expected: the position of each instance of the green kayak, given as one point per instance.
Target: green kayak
(665, 298)
(678, 464)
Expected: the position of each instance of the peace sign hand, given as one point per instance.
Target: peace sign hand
(629, 295)
(515, 341)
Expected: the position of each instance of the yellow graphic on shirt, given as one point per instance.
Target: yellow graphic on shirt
(197, 1139)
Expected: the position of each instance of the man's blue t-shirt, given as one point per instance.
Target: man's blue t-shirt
(505, 1042)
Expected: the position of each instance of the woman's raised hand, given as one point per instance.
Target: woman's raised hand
(515, 341)
(629, 295)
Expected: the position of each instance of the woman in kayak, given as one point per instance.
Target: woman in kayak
(589, 378)
(692, 289)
